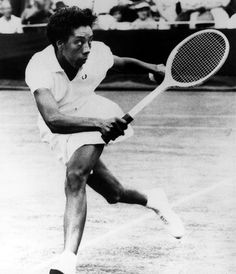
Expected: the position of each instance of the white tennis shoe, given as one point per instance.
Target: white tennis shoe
(158, 202)
(65, 263)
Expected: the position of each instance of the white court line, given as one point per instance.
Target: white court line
(173, 116)
(122, 228)
(183, 127)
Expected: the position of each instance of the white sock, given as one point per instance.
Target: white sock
(66, 262)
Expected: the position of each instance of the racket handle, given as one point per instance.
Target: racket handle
(106, 139)
(127, 118)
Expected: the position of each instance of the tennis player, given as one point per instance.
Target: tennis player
(72, 118)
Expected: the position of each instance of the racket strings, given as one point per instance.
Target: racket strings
(200, 54)
(189, 67)
(198, 57)
(205, 55)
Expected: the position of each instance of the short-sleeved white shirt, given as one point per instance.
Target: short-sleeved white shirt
(76, 97)
(44, 71)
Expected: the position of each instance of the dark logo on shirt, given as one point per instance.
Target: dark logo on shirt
(84, 76)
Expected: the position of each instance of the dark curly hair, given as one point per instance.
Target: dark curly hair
(64, 21)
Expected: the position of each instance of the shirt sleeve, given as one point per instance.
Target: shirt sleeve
(37, 76)
(107, 58)
(110, 57)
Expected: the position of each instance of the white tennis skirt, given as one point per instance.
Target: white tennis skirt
(95, 106)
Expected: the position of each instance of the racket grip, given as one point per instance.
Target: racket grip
(127, 118)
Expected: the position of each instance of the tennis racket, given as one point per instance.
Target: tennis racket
(191, 62)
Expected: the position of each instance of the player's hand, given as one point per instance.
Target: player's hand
(160, 69)
(159, 73)
(113, 128)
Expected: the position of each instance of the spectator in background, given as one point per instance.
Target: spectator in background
(104, 22)
(112, 18)
(116, 13)
(9, 23)
(39, 13)
(208, 10)
(58, 5)
(128, 13)
(162, 13)
(220, 15)
(119, 22)
(144, 20)
(231, 8)
(166, 9)
(232, 22)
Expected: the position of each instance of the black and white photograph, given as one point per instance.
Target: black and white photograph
(117, 136)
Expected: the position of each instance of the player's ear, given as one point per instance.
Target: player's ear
(59, 44)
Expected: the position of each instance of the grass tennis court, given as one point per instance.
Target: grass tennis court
(184, 142)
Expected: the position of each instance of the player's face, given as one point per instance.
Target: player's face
(77, 48)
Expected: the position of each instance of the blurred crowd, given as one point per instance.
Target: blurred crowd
(126, 14)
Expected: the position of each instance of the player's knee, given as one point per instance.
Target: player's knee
(76, 180)
(116, 195)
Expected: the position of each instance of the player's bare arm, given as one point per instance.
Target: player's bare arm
(132, 64)
(65, 124)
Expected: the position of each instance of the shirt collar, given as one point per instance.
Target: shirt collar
(53, 63)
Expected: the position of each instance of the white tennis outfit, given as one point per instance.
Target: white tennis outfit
(74, 98)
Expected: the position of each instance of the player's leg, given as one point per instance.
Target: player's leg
(78, 170)
(77, 173)
(103, 181)
(106, 184)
